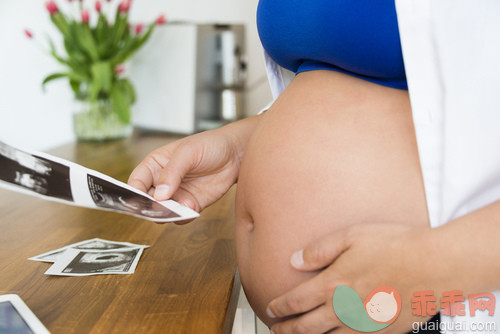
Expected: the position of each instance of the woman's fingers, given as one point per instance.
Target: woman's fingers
(303, 298)
(317, 321)
(322, 252)
(144, 175)
(161, 172)
(186, 198)
(194, 171)
(183, 161)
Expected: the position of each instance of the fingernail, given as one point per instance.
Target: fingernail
(188, 203)
(270, 313)
(297, 259)
(161, 192)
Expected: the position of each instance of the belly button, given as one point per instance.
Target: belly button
(250, 225)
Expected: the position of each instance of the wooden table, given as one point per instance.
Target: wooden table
(186, 282)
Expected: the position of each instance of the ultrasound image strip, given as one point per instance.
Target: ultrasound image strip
(56, 179)
(86, 263)
(106, 194)
(35, 173)
(94, 244)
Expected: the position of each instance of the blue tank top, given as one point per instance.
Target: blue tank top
(357, 37)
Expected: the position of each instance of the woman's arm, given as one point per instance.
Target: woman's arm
(196, 170)
(410, 260)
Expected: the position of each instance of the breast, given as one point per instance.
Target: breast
(357, 37)
(332, 151)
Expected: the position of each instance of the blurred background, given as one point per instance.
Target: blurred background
(37, 119)
(162, 72)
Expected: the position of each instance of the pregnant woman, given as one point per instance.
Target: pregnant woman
(331, 168)
(337, 147)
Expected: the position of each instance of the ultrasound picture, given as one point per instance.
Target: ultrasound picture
(98, 262)
(108, 195)
(34, 173)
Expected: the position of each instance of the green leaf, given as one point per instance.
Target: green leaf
(75, 86)
(54, 53)
(120, 27)
(120, 103)
(133, 45)
(102, 78)
(61, 23)
(127, 89)
(77, 59)
(125, 51)
(53, 77)
(85, 40)
(101, 30)
(72, 76)
(73, 46)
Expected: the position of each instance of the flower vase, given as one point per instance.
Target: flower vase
(98, 121)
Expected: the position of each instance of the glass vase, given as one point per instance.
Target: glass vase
(97, 121)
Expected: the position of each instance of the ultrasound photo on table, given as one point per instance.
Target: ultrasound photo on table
(111, 196)
(95, 244)
(34, 173)
(85, 263)
(101, 244)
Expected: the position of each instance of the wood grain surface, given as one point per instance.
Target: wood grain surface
(186, 282)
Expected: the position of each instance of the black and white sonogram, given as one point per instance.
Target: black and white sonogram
(102, 262)
(34, 173)
(95, 244)
(109, 195)
(99, 244)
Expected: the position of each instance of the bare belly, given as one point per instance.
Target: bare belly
(332, 151)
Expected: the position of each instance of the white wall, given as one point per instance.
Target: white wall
(28, 116)
(32, 118)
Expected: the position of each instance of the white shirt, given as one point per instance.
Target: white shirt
(451, 50)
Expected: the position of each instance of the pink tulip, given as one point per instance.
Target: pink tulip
(98, 6)
(51, 7)
(119, 69)
(124, 6)
(161, 20)
(139, 28)
(85, 16)
(28, 33)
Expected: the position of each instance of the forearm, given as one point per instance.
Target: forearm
(468, 251)
(241, 131)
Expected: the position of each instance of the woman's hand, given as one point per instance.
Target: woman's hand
(197, 170)
(408, 259)
(362, 257)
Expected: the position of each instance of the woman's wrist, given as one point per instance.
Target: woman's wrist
(240, 132)
(468, 247)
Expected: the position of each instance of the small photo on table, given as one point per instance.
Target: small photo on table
(91, 244)
(84, 263)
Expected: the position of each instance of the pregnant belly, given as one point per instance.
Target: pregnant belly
(332, 151)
